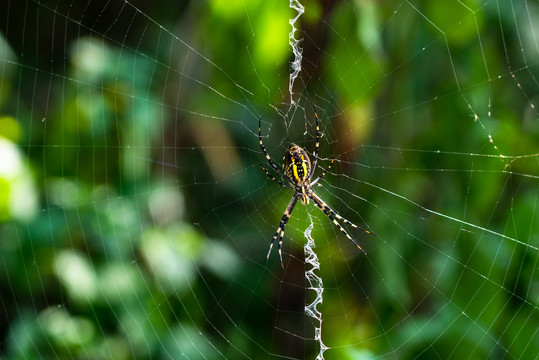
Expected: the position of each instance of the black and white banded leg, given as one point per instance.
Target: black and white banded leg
(273, 177)
(270, 161)
(334, 216)
(280, 229)
(326, 170)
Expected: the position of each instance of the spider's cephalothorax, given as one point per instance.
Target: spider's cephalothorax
(297, 166)
(297, 175)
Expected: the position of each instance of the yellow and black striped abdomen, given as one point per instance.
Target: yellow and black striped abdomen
(297, 164)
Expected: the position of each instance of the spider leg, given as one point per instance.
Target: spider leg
(273, 177)
(316, 198)
(323, 173)
(334, 216)
(317, 145)
(272, 164)
(280, 229)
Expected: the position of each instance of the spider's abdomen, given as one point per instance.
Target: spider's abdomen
(297, 164)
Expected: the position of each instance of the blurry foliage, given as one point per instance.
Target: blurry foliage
(108, 253)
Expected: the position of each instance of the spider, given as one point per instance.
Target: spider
(297, 174)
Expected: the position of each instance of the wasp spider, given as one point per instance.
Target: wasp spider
(297, 174)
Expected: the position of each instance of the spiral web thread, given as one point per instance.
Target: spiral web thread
(295, 66)
(316, 284)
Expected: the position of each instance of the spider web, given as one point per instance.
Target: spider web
(135, 219)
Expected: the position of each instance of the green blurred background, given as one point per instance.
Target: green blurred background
(135, 220)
